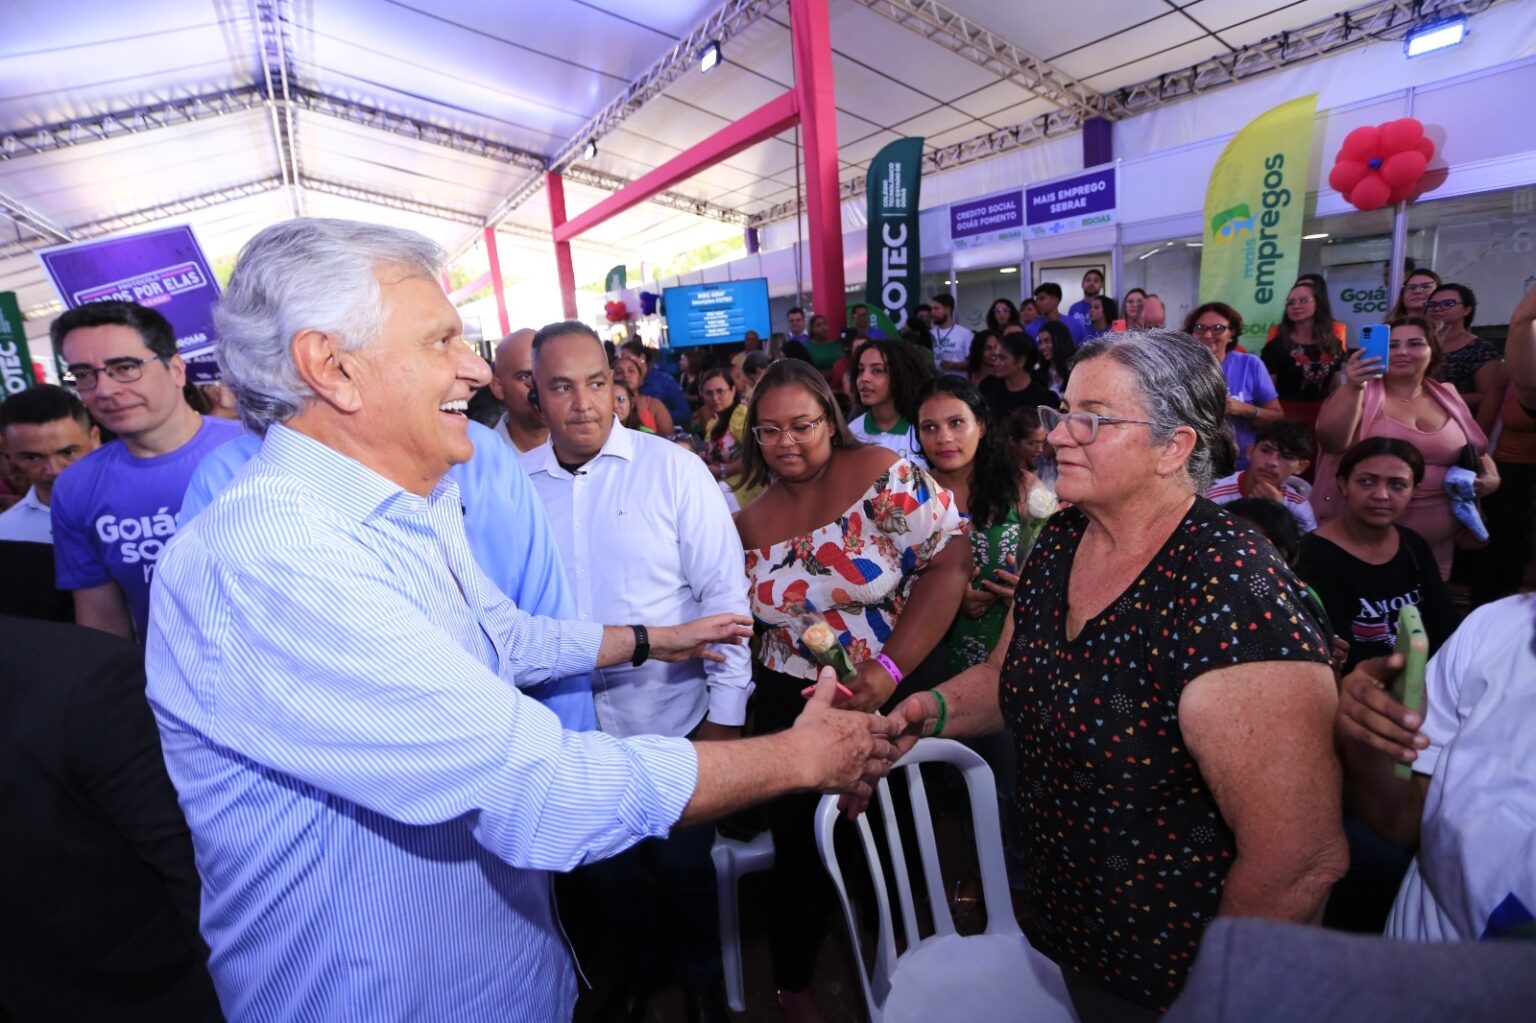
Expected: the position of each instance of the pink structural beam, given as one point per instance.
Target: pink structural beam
(810, 103)
(554, 184)
(496, 285)
(811, 39)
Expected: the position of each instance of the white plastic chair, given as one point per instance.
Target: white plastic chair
(732, 860)
(995, 975)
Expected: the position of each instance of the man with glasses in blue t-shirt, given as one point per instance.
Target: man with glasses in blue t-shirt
(115, 509)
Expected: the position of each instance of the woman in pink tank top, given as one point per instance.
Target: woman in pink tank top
(1404, 402)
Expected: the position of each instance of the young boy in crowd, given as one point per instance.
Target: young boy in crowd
(1281, 450)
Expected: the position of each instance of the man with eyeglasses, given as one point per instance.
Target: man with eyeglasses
(521, 426)
(115, 509)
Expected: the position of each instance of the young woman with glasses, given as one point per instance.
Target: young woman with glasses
(855, 534)
(1417, 287)
(1251, 397)
(1472, 365)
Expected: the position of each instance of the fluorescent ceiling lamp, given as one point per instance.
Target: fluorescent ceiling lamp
(1435, 35)
(1313, 237)
(1144, 255)
(710, 55)
(1008, 270)
(590, 151)
(1193, 245)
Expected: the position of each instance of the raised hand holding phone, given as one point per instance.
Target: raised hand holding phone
(1408, 686)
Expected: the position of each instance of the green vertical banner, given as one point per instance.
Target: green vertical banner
(895, 260)
(1253, 212)
(618, 277)
(15, 360)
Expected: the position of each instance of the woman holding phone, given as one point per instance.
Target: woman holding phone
(1403, 400)
(855, 534)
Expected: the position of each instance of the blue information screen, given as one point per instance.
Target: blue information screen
(713, 314)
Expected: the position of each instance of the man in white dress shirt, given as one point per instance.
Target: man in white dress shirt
(520, 425)
(46, 430)
(642, 527)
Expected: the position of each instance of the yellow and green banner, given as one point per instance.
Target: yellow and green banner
(1253, 211)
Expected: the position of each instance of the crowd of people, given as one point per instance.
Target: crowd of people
(419, 629)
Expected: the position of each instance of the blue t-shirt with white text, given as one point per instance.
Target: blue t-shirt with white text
(113, 514)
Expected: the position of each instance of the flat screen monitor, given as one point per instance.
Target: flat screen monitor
(714, 314)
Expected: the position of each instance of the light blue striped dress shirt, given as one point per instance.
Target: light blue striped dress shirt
(373, 803)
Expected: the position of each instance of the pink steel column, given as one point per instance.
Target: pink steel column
(554, 184)
(812, 40)
(501, 295)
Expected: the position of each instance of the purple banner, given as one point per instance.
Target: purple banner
(989, 215)
(163, 270)
(1071, 204)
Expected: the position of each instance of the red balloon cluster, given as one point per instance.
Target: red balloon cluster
(1381, 164)
(617, 312)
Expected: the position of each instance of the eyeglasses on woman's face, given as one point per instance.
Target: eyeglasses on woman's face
(1420, 286)
(800, 433)
(1211, 329)
(1442, 305)
(1296, 301)
(1082, 427)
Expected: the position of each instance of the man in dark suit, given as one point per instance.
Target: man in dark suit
(98, 890)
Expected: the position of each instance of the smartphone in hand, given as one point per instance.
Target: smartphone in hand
(1375, 340)
(1408, 687)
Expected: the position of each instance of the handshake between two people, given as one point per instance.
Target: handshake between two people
(828, 749)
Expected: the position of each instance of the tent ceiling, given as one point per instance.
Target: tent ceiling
(527, 76)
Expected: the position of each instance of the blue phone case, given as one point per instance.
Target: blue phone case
(1374, 340)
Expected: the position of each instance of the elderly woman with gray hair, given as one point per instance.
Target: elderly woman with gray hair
(1168, 691)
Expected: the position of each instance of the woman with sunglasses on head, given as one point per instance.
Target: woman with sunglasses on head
(1417, 287)
(1471, 365)
(1151, 641)
(1306, 354)
(855, 534)
(1002, 314)
(1251, 397)
(1404, 400)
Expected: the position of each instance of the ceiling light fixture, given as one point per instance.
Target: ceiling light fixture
(1193, 245)
(1314, 237)
(590, 152)
(1435, 35)
(709, 56)
(1008, 270)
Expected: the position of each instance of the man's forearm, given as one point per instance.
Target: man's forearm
(618, 646)
(739, 773)
(1388, 805)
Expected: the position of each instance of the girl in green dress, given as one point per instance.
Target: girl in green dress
(967, 453)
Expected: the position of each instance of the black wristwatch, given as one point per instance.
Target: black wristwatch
(642, 646)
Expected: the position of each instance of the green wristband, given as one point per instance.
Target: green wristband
(938, 724)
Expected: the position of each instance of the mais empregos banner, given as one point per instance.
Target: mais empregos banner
(1253, 212)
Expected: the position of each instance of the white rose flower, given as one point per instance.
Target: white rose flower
(1042, 503)
(820, 637)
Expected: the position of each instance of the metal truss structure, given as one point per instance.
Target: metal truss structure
(963, 37)
(151, 214)
(24, 216)
(271, 18)
(1373, 22)
(727, 21)
(128, 121)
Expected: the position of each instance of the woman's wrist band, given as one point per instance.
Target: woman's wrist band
(938, 724)
(890, 666)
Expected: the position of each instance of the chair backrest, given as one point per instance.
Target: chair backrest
(982, 790)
